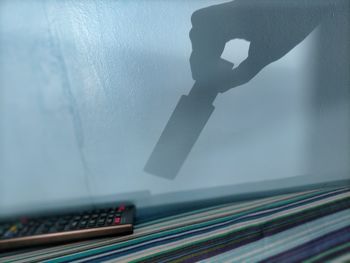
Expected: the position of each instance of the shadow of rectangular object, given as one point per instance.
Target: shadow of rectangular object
(180, 134)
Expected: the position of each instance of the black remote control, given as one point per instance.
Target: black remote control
(26, 232)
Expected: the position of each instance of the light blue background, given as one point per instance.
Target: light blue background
(88, 86)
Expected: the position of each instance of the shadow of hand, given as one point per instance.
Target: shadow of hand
(272, 27)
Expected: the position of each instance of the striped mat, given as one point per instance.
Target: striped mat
(309, 226)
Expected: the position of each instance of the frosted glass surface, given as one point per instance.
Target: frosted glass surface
(88, 86)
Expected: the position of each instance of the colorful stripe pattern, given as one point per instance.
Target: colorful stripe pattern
(310, 226)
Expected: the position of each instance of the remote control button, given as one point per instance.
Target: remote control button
(82, 224)
(9, 234)
(94, 216)
(49, 223)
(31, 223)
(12, 231)
(101, 221)
(121, 208)
(32, 230)
(76, 218)
(67, 217)
(74, 225)
(42, 230)
(2, 231)
(116, 220)
(92, 223)
(52, 229)
(62, 222)
(60, 227)
(24, 220)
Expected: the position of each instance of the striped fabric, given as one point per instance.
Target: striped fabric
(310, 226)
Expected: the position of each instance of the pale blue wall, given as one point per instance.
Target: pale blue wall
(88, 86)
